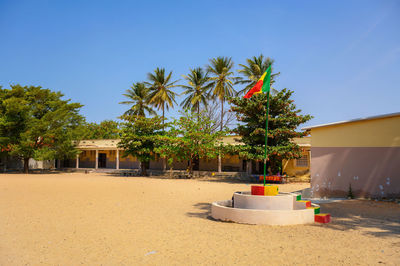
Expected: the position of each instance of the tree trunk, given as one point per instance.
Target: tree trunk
(190, 168)
(143, 168)
(26, 165)
(5, 163)
(163, 124)
(222, 121)
(164, 160)
(222, 115)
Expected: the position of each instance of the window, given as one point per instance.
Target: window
(302, 161)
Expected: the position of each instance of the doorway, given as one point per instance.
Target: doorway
(102, 160)
(196, 164)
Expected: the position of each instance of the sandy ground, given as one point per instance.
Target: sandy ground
(96, 219)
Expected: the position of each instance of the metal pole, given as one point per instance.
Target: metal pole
(266, 139)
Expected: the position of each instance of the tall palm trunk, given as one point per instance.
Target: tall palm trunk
(163, 124)
(222, 120)
(164, 160)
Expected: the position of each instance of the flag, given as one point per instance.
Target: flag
(262, 85)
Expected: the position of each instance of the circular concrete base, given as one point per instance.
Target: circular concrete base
(222, 210)
(282, 209)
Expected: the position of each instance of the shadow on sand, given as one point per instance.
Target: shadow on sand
(379, 219)
(203, 211)
(371, 217)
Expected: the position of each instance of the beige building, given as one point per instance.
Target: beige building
(301, 166)
(363, 153)
(105, 154)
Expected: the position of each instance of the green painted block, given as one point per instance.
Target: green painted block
(298, 197)
(316, 209)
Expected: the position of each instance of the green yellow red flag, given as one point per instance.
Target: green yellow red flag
(262, 85)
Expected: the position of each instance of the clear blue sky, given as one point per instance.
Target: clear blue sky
(341, 58)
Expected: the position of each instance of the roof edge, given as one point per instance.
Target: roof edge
(354, 120)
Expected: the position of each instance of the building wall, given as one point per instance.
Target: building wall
(232, 163)
(296, 167)
(371, 133)
(208, 165)
(13, 163)
(87, 159)
(157, 164)
(46, 164)
(128, 162)
(179, 165)
(363, 154)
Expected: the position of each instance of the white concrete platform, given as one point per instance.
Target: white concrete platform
(270, 210)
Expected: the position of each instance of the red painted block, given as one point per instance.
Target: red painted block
(307, 202)
(257, 190)
(322, 218)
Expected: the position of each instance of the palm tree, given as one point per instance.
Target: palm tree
(256, 66)
(161, 95)
(222, 81)
(197, 89)
(138, 96)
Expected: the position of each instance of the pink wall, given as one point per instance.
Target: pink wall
(372, 171)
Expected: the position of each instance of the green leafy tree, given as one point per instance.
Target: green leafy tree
(284, 119)
(196, 90)
(37, 123)
(139, 96)
(107, 129)
(190, 138)
(140, 137)
(221, 69)
(161, 95)
(253, 70)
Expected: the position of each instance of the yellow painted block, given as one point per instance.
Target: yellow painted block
(271, 190)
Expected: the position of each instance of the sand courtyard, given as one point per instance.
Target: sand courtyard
(100, 219)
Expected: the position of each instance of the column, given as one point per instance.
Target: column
(97, 160)
(77, 161)
(248, 167)
(117, 160)
(219, 163)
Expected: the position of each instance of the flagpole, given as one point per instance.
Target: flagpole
(266, 139)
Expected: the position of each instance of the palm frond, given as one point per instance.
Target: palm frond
(138, 96)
